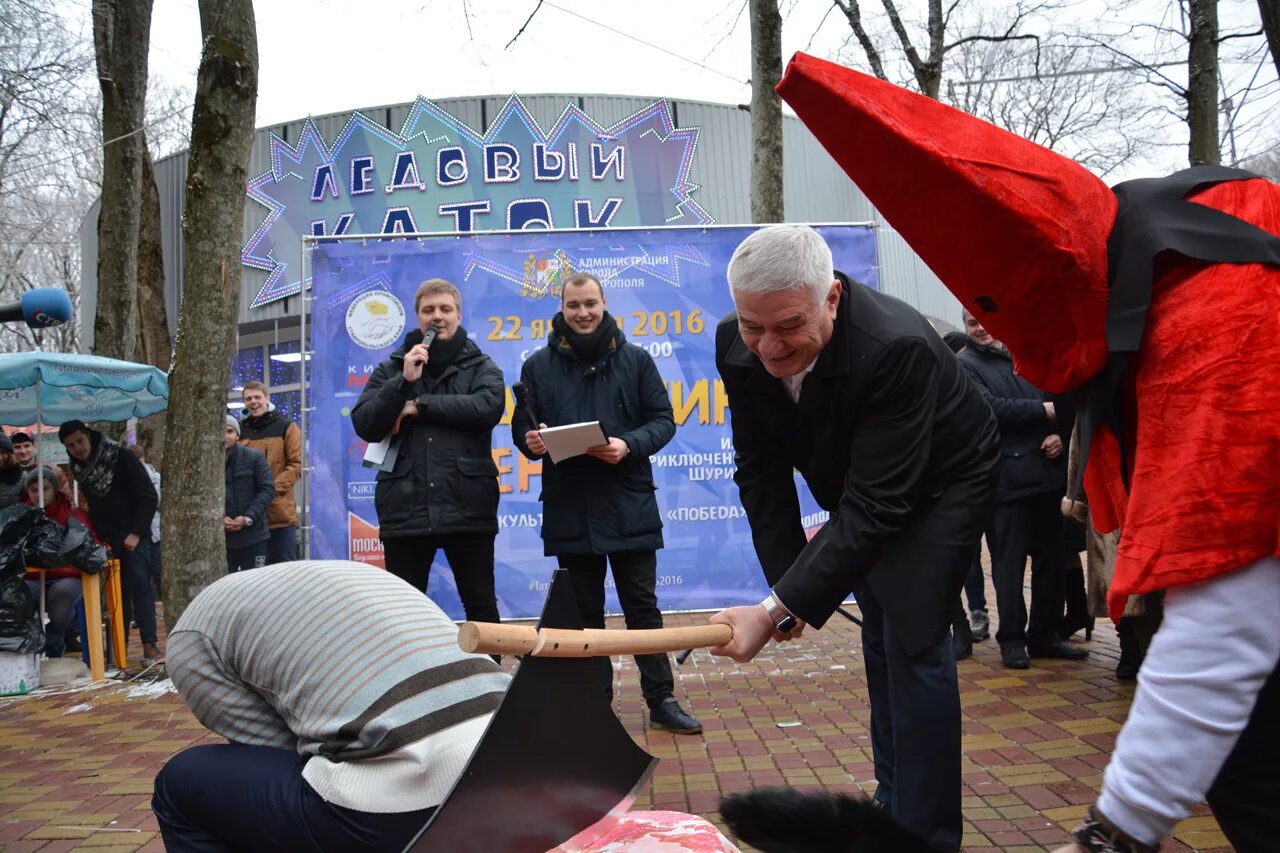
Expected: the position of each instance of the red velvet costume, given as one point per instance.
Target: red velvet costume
(1020, 235)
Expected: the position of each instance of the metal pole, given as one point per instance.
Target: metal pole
(304, 425)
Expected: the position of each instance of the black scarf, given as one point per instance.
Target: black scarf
(96, 473)
(589, 348)
(442, 353)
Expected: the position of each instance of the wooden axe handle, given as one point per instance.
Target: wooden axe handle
(492, 638)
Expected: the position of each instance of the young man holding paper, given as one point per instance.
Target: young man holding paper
(600, 505)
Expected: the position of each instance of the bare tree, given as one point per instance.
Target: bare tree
(42, 74)
(1202, 83)
(1062, 96)
(1270, 11)
(221, 135)
(121, 37)
(766, 112)
(926, 69)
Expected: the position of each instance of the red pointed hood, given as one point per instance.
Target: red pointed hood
(1015, 231)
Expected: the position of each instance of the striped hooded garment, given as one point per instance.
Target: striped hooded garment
(342, 662)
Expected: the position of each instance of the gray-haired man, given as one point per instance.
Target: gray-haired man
(856, 391)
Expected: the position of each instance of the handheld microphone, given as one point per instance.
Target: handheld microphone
(522, 399)
(40, 308)
(417, 336)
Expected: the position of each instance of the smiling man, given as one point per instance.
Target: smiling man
(441, 397)
(856, 391)
(600, 507)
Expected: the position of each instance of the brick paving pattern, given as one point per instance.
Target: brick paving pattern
(76, 766)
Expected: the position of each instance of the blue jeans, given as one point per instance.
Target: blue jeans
(915, 728)
(226, 797)
(135, 580)
(282, 547)
(975, 584)
(60, 597)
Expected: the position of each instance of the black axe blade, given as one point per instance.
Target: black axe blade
(554, 761)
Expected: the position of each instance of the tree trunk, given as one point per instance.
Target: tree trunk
(121, 36)
(1270, 10)
(766, 112)
(222, 128)
(1202, 84)
(153, 320)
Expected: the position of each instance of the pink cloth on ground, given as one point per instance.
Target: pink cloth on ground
(657, 832)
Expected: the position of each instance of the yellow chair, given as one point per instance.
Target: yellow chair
(91, 587)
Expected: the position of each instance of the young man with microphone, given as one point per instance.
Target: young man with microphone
(441, 397)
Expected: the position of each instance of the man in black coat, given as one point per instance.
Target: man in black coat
(602, 505)
(441, 401)
(1027, 520)
(250, 488)
(122, 502)
(857, 392)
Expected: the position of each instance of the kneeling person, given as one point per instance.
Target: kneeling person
(349, 708)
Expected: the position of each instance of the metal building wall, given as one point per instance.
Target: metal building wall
(816, 190)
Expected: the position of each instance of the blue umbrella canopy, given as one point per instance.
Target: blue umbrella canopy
(60, 386)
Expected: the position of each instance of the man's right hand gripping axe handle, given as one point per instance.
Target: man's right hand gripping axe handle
(492, 638)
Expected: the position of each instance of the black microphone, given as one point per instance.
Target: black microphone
(522, 400)
(417, 336)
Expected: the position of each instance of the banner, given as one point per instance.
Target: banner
(666, 288)
(439, 174)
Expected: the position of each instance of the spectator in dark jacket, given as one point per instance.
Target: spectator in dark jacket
(1027, 520)
(250, 490)
(439, 403)
(601, 506)
(122, 502)
(10, 474)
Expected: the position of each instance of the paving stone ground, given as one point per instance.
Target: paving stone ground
(76, 766)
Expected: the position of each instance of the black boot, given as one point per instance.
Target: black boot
(668, 715)
(1130, 652)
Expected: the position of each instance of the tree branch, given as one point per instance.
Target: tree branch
(854, 15)
(524, 25)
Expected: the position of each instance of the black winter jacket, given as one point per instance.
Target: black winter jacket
(444, 479)
(250, 489)
(1019, 410)
(590, 506)
(129, 505)
(891, 439)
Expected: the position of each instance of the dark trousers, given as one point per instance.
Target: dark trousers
(282, 547)
(249, 557)
(1245, 797)
(470, 556)
(915, 728)
(135, 582)
(635, 578)
(975, 583)
(1028, 527)
(220, 798)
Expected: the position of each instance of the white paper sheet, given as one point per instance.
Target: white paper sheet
(570, 440)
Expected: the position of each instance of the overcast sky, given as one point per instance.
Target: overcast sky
(327, 56)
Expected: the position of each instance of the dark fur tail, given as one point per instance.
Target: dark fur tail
(784, 820)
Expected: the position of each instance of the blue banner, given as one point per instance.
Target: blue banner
(667, 290)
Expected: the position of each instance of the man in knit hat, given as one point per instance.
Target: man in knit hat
(10, 474)
(249, 490)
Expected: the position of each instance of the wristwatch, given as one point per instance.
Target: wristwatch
(783, 621)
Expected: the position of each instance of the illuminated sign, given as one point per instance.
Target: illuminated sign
(440, 175)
